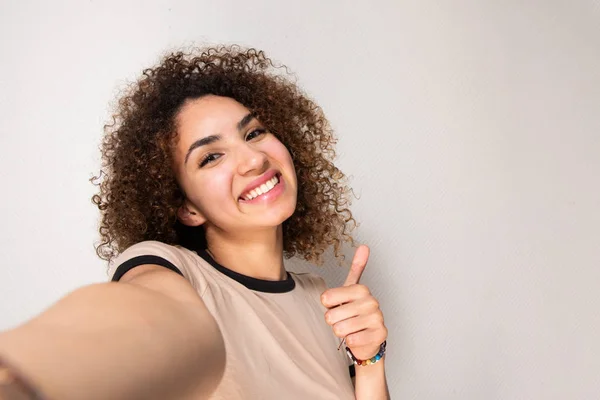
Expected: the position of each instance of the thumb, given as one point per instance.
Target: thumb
(359, 262)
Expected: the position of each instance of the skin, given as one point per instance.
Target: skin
(358, 319)
(145, 337)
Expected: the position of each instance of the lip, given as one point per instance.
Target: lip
(259, 181)
(269, 197)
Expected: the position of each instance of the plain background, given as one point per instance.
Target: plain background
(470, 129)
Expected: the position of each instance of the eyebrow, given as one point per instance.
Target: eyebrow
(245, 121)
(214, 138)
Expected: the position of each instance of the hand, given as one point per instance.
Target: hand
(354, 313)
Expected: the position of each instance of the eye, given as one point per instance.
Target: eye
(209, 158)
(255, 133)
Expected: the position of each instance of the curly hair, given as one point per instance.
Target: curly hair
(138, 194)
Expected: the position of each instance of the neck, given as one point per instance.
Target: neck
(258, 254)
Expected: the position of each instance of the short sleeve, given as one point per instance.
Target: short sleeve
(154, 252)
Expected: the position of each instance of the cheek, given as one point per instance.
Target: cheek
(212, 188)
(279, 152)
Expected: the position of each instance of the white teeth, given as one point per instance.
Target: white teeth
(262, 189)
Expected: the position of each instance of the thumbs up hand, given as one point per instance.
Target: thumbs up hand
(354, 313)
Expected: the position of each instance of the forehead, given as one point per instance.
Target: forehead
(208, 115)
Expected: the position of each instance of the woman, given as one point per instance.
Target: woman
(215, 168)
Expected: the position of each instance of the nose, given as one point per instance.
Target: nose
(250, 160)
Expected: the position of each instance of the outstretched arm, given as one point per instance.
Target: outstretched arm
(148, 336)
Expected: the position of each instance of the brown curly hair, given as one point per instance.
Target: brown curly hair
(138, 195)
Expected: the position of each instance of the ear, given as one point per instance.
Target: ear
(190, 215)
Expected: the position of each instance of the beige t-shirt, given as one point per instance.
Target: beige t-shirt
(278, 345)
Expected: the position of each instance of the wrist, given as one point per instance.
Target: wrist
(377, 357)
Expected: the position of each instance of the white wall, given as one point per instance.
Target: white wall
(470, 128)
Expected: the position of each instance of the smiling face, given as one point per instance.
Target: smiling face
(236, 175)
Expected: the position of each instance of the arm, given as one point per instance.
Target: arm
(148, 336)
(355, 316)
(370, 382)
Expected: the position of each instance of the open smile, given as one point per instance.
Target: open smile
(268, 190)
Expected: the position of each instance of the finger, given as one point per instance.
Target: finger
(346, 294)
(367, 337)
(362, 306)
(359, 262)
(352, 325)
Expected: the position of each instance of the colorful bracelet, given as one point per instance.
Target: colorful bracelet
(370, 361)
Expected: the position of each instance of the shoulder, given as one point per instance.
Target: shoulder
(147, 252)
(174, 258)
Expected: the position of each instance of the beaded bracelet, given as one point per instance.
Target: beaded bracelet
(371, 360)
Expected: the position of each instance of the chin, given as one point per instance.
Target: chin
(276, 220)
(276, 217)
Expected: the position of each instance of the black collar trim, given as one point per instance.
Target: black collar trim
(259, 285)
